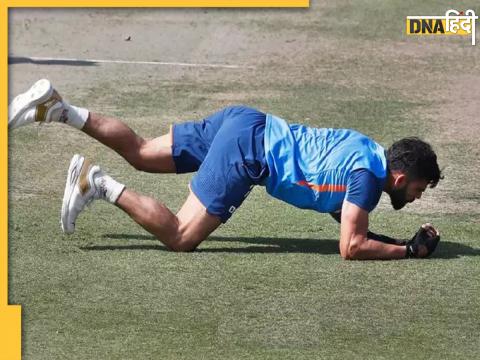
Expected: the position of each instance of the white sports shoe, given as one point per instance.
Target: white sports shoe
(36, 104)
(80, 190)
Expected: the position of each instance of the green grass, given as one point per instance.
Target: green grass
(111, 291)
(269, 284)
(374, 20)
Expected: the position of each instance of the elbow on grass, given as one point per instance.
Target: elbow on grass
(351, 252)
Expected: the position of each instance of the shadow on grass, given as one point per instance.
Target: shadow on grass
(256, 245)
(67, 62)
(273, 245)
(445, 250)
(452, 250)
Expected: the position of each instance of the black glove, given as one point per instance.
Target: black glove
(422, 238)
(385, 239)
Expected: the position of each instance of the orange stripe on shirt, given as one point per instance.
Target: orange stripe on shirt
(323, 188)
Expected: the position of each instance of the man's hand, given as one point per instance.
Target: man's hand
(424, 242)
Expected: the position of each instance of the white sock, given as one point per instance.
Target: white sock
(71, 115)
(74, 116)
(110, 189)
(68, 114)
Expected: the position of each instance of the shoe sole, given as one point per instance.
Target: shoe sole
(73, 174)
(37, 94)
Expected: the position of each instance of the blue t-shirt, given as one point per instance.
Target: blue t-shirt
(364, 189)
(317, 169)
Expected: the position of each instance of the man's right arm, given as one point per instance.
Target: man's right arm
(371, 235)
(354, 243)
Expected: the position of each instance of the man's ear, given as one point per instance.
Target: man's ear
(400, 180)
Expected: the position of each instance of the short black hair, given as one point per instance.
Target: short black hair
(416, 159)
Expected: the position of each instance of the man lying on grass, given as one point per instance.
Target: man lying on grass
(336, 171)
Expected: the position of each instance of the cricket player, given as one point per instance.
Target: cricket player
(336, 171)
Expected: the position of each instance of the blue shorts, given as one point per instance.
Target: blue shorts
(227, 151)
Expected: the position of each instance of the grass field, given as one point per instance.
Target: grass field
(269, 284)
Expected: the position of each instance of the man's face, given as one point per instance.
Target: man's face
(411, 190)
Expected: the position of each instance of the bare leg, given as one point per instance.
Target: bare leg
(183, 232)
(154, 155)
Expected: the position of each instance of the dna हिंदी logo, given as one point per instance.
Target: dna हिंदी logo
(453, 23)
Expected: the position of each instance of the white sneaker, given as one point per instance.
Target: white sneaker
(80, 190)
(37, 104)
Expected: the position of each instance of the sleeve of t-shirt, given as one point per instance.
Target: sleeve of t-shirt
(364, 189)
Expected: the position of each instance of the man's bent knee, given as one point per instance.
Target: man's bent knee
(153, 155)
(185, 240)
(194, 225)
(182, 247)
(184, 244)
(134, 155)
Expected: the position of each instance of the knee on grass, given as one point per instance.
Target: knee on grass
(183, 242)
(182, 245)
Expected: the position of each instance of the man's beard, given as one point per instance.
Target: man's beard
(398, 198)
